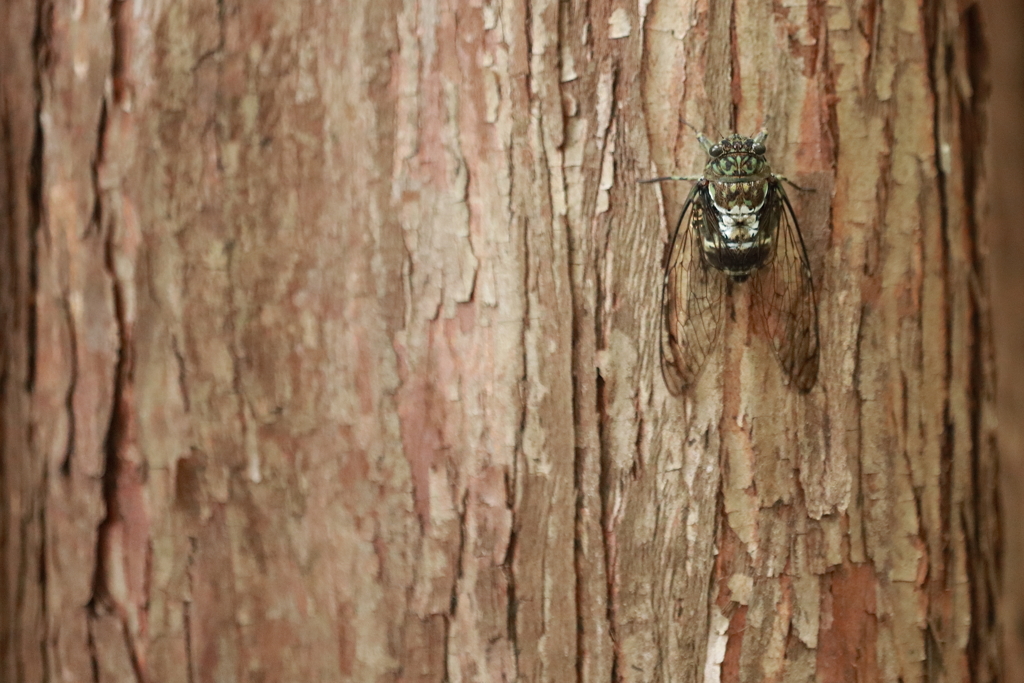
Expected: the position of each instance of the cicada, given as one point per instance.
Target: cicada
(737, 226)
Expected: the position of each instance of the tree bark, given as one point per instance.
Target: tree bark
(331, 346)
(1005, 166)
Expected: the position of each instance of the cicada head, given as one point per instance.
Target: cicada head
(736, 157)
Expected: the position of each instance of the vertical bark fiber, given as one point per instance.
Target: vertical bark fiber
(1006, 240)
(331, 346)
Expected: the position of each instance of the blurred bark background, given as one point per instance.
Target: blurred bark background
(330, 345)
(1004, 23)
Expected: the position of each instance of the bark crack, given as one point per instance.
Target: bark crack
(524, 340)
(736, 87)
(249, 446)
(857, 464)
(37, 217)
(459, 570)
(186, 610)
(69, 398)
(104, 222)
(602, 299)
(91, 644)
(510, 576)
(217, 49)
(179, 358)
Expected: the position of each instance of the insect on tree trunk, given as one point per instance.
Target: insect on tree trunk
(331, 346)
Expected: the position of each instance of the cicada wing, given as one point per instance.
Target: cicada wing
(783, 301)
(691, 300)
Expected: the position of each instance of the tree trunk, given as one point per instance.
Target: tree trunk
(331, 346)
(1006, 239)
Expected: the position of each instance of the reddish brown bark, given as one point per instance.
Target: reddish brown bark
(331, 346)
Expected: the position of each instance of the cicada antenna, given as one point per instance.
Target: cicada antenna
(714, 131)
(690, 178)
(762, 134)
(690, 126)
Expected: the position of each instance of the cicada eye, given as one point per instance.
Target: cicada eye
(759, 148)
(716, 150)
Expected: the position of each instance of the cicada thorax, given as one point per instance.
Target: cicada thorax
(736, 193)
(738, 223)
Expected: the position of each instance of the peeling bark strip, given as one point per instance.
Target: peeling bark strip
(331, 346)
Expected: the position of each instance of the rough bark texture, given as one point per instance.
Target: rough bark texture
(330, 346)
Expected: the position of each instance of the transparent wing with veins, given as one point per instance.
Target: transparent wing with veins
(692, 295)
(783, 297)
